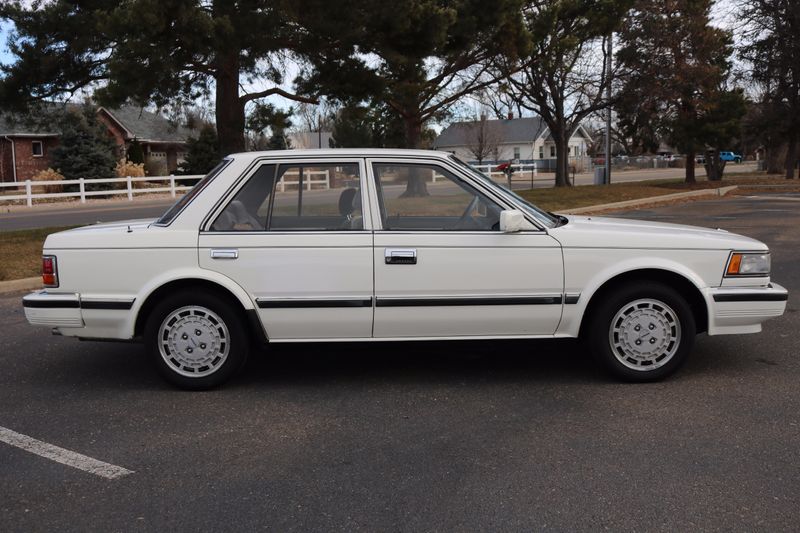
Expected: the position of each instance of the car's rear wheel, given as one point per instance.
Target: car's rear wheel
(642, 332)
(196, 340)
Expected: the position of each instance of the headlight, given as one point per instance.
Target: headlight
(748, 264)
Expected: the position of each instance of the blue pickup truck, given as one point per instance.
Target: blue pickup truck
(730, 156)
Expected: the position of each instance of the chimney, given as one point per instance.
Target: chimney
(510, 115)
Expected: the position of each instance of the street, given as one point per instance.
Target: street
(460, 436)
(52, 215)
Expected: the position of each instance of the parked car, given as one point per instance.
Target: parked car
(400, 245)
(700, 159)
(730, 156)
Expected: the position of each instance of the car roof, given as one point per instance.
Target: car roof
(342, 152)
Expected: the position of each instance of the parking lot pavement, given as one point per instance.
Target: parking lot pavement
(457, 436)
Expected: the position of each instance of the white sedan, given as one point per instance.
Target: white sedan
(392, 245)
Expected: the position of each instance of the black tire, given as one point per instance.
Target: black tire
(188, 362)
(620, 332)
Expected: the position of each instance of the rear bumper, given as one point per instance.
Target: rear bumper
(77, 315)
(53, 310)
(742, 310)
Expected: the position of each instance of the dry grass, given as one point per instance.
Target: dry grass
(554, 199)
(21, 252)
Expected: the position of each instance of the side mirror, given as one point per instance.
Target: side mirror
(512, 221)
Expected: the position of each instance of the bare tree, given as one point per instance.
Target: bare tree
(483, 138)
(564, 79)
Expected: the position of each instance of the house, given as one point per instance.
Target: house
(310, 139)
(526, 140)
(25, 148)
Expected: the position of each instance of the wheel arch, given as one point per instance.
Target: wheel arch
(229, 291)
(676, 280)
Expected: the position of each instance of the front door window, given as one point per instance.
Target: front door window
(423, 197)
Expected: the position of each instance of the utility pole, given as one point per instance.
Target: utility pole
(608, 109)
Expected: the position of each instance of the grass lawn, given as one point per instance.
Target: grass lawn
(555, 199)
(21, 252)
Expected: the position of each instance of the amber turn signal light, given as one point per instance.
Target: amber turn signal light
(734, 263)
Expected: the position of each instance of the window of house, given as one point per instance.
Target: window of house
(296, 197)
(516, 152)
(541, 152)
(410, 199)
(553, 151)
(37, 148)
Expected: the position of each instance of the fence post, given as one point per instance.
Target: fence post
(29, 199)
(130, 188)
(82, 187)
(172, 185)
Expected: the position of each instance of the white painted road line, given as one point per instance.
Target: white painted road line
(61, 455)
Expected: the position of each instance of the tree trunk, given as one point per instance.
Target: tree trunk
(229, 107)
(417, 186)
(791, 155)
(562, 160)
(714, 166)
(774, 157)
(689, 165)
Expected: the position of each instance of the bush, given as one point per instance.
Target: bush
(48, 175)
(127, 168)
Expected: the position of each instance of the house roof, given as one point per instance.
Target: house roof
(144, 125)
(13, 125)
(515, 130)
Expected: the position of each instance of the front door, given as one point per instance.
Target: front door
(294, 237)
(443, 268)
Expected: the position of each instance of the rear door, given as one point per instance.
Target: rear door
(293, 235)
(443, 268)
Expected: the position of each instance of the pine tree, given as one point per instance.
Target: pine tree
(675, 66)
(85, 149)
(203, 152)
(135, 152)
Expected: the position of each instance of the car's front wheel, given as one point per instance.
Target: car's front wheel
(642, 332)
(196, 340)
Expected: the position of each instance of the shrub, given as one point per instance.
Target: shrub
(48, 175)
(124, 168)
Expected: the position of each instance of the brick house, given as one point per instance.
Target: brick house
(25, 149)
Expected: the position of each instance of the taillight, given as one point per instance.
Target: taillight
(49, 271)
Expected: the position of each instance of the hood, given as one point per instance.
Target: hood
(605, 232)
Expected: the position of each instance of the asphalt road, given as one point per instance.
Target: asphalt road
(472, 436)
(45, 216)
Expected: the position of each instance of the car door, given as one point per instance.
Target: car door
(293, 235)
(443, 268)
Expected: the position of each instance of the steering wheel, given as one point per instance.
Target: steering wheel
(467, 219)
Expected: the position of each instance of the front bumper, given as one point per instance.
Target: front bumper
(53, 310)
(743, 309)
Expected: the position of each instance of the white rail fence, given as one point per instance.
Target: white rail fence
(171, 185)
(323, 178)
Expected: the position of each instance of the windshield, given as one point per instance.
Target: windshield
(178, 206)
(542, 217)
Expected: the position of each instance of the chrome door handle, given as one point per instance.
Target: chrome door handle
(400, 256)
(228, 253)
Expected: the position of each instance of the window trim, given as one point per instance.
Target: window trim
(252, 168)
(41, 149)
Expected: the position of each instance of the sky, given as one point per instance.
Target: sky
(5, 56)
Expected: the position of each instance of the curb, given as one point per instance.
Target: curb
(25, 284)
(722, 191)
